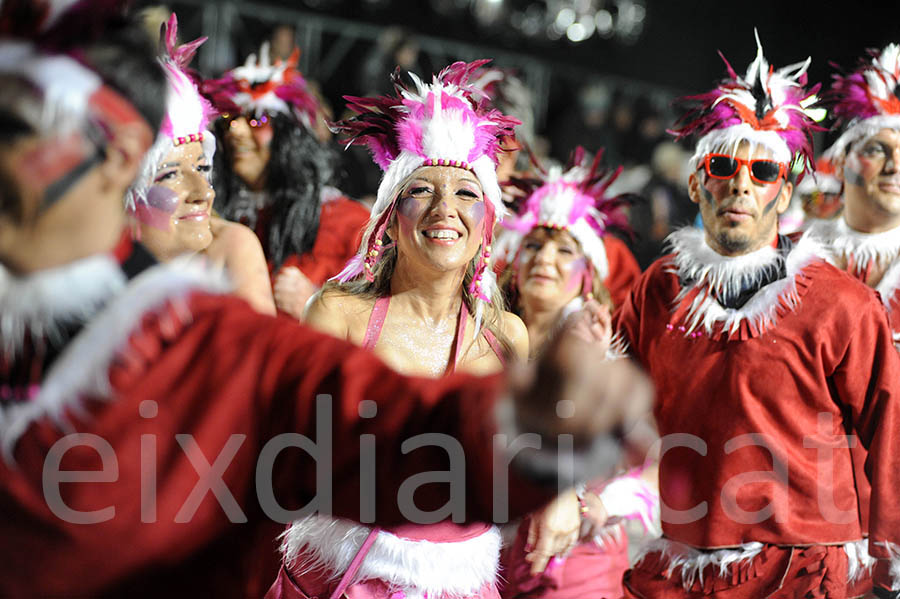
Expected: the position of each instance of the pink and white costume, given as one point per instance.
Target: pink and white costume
(440, 124)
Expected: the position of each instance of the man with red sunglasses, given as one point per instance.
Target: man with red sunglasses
(770, 364)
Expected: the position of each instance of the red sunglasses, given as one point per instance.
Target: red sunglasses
(723, 166)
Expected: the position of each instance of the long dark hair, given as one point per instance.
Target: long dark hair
(299, 166)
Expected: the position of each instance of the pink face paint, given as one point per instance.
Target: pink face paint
(476, 212)
(574, 273)
(158, 209)
(410, 208)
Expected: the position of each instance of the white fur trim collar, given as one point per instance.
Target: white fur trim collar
(83, 366)
(843, 243)
(42, 303)
(418, 568)
(696, 262)
(693, 562)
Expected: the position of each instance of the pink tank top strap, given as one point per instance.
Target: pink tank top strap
(376, 322)
(350, 574)
(460, 337)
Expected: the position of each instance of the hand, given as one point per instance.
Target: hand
(592, 324)
(601, 396)
(595, 512)
(292, 290)
(554, 531)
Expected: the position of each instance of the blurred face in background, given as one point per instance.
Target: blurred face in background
(248, 140)
(871, 176)
(550, 269)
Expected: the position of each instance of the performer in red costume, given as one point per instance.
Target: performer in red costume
(556, 254)
(151, 425)
(276, 177)
(765, 359)
(865, 239)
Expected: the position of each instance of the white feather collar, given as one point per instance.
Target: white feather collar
(418, 568)
(82, 369)
(846, 243)
(708, 272)
(841, 244)
(42, 303)
(692, 562)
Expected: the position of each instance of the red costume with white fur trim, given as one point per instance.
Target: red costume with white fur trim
(167, 374)
(755, 402)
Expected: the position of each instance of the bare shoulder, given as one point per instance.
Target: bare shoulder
(514, 330)
(234, 236)
(338, 313)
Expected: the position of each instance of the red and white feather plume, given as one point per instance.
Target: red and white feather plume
(766, 107)
(261, 86)
(867, 100)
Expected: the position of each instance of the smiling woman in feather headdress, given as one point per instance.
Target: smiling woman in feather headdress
(420, 294)
(171, 200)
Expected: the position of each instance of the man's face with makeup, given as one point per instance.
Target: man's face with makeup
(440, 216)
(871, 176)
(739, 215)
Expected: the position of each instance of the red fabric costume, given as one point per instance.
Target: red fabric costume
(341, 224)
(170, 375)
(624, 270)
(761, 398)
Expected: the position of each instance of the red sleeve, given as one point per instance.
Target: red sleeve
(626, 321)
(341, 225)
(293, 365)
(624, 270)
(867, 381)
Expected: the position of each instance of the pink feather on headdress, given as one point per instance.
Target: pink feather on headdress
(872, 90)
(584, 188)
(765, 99)
(389, 125)
(188, 113)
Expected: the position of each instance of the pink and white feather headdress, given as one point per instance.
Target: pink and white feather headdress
(188, 113)
(262, 87)
(867, 100)
(765, 107)
(573, 199)
(444, 123)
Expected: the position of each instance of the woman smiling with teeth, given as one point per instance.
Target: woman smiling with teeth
(420, 295)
